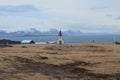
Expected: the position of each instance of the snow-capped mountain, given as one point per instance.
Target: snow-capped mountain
(35, 32)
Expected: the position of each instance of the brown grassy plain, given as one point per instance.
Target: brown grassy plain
(83, 61)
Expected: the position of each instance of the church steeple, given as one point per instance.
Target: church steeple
(60, 33)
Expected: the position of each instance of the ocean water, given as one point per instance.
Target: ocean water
(68, 39)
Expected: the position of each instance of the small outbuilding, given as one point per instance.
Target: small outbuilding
(28, 42)
(51, 42)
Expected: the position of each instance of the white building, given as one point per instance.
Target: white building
(60, 40)
(27, 42)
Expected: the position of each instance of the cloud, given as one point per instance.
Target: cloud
(18, 8)
(63, 14)
(115, 17)
(109, 15)
(118, 18)
(3, 27)
(99, 8)
(94, 28)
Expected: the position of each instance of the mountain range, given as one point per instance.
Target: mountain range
(35, 32)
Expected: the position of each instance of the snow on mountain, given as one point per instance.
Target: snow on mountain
(33, 31)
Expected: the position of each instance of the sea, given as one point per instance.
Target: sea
(67, 39)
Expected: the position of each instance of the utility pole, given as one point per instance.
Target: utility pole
(114, 45)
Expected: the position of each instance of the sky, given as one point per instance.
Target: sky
(89, 16)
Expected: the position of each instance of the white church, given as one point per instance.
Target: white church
(60, 40)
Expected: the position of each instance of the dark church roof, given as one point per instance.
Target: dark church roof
(60, 33)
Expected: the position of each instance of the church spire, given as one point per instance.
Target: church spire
(60, 33)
